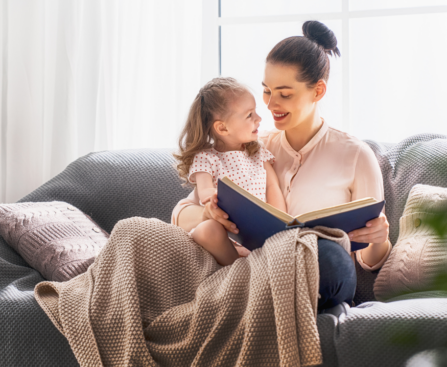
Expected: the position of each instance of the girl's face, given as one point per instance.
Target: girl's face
(291, 102)
(242, 124)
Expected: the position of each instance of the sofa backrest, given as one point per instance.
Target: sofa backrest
(419, 159)
(113, 185)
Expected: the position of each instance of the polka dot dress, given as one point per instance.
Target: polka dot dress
(248, 172)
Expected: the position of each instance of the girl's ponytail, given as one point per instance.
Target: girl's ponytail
(194, 138)
(211, 104)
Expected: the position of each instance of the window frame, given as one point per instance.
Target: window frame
(213, 22)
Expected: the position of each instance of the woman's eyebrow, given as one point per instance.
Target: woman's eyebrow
(281, 87)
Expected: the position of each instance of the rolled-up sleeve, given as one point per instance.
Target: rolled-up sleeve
(375, 266)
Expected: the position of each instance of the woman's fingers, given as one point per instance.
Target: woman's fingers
(375, 232)
(229, 226)
(213, 200)
(219, 215)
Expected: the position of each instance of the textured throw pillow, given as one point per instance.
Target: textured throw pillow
(55, 238)
(419, 254)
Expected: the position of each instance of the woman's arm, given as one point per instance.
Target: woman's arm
(273, 193)
(368, 182)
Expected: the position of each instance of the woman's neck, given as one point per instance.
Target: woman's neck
(300, 135)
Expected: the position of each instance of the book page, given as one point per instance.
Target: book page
(326, 212)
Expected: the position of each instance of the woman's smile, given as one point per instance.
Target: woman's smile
(279, 116)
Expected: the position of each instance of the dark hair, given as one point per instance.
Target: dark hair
(309, 53)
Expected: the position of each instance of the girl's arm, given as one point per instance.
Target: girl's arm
(273, 193)
(205, 186)
(192, 215)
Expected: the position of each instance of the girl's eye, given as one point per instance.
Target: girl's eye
(249, 115)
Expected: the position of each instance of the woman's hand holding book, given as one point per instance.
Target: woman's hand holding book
(212, 211)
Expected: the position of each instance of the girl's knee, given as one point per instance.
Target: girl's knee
(208, 230)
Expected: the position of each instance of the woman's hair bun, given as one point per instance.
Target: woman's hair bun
(322, 35)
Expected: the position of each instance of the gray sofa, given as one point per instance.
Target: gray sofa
(113, 185)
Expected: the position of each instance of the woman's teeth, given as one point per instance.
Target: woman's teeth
(279, 116)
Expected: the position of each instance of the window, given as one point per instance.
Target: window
(388, 84)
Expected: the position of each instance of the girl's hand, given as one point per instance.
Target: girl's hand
(376, 231)
(212, 211)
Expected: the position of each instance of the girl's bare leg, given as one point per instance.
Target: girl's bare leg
(213, 237)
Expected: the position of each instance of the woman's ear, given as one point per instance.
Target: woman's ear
(320, 90)
(220, 128)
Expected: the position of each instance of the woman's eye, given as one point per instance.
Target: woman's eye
(286, 96)
(266, 92)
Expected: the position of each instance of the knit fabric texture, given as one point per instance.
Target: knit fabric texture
(419, 253)
(154, 297)
(55, 238)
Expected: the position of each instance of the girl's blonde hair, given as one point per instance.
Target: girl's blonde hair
(211, 104)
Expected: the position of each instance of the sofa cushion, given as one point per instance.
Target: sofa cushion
(420, 253)
(55, 238)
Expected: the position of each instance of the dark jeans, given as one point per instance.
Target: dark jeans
(338, 279)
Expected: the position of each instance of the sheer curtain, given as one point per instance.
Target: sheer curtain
(85, 75)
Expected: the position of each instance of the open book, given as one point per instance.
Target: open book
(257, 220)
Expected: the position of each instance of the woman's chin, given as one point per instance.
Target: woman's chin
(281, 125)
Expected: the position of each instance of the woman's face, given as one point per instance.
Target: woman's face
(291, 102)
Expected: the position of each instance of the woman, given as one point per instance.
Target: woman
(317, 166)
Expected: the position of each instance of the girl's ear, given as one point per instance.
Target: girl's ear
(320, 90)
(220, 128)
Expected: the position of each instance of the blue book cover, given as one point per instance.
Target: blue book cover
(256, 224)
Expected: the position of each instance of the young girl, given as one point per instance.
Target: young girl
(221, 139)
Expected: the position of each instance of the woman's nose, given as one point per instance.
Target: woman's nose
(271, 104)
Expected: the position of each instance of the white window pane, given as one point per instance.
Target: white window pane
(398, 76)
(392, 4)
(245, 48)
(248, 8)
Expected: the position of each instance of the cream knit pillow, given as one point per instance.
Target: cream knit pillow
(419, 254)
(55, 238)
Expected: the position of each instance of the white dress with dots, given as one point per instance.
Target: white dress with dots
(244, 170)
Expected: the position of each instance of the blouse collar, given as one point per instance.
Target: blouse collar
(309, 146)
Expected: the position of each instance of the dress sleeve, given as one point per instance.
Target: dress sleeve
(203, 162)
(368, 182)
(266, 156)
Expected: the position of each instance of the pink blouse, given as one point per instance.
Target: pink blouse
(332, 168)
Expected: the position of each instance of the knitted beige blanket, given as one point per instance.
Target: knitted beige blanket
(153, 297)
